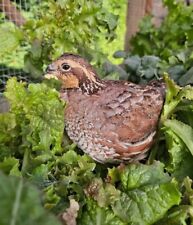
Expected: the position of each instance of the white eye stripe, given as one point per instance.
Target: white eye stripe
(89, 74)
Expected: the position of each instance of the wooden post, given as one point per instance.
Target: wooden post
(148, 6)
(136, 9)
(12, 12)
(187, 2)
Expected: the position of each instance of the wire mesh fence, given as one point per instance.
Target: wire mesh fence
(11, 63)
(12, 10)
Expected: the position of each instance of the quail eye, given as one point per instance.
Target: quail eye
(65, 67)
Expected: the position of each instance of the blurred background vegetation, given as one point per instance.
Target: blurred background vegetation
(135, 40)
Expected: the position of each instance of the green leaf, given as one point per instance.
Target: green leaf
(176, 72)
(119, 54)
(183, 214)
(20, 204)
(149, 73)
(174, 95)
(107, 67)
(186, 92)
(10, 166)
(138, 175)
(150, 61)
(172, 100)
(10, 38)
(146, 205)
(187, 183)
(178, 216)
(179, 161)
(178, 132)
(33, 66)
(132, 63)
(93, 214)
(148, 193)
(40, 113)
(145, 193)
(8, 135)
(184, 131)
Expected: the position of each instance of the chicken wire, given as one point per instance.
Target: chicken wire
(12, 11)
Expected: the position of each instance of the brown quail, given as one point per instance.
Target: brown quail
(112, 121)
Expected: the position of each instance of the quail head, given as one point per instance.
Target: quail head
(112, 121)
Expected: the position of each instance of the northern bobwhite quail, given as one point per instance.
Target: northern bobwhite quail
(112, 121)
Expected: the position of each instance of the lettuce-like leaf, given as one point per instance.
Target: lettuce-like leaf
(177, 129)
(144, 196)
(94, 214)
(8, 135)
(10, 166)
(149, 194)
(138, 175)
(10, 39)
(39, 112)
(33, 145)
(184, 131)
(180, 159)
(171, 100)
(32, 131)
(183, 214)
(174, 95)
(20, 204)
(146, 205)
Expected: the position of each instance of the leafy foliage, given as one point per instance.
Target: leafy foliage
(158, 50)
(57, 27)
(34, 147)
(145, 191)
(20, 203)
(29, 120)
(140, 204)
(134, 68)
(108, 48)
(177, 130)
(171, 38)
(148, 67)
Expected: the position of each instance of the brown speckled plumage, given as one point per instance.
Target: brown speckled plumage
(112, 121)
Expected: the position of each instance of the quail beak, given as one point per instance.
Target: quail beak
(50, 72)
(50, 76)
